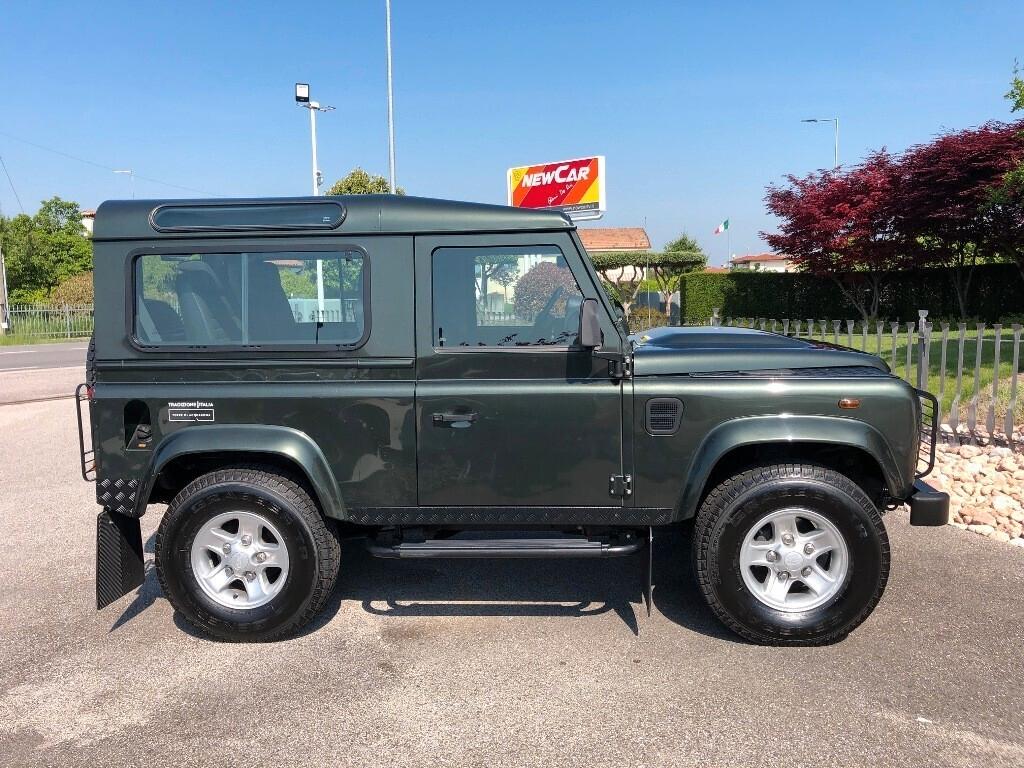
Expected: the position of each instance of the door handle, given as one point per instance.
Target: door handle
(454, 420)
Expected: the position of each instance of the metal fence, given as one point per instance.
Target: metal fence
(972, 369)
(45, 321)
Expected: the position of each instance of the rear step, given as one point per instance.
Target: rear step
(568, 546)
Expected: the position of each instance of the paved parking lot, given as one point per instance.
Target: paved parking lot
(489, 663)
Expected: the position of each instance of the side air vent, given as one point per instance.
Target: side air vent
(663, 415)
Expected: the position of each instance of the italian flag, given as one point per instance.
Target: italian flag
(722, 227)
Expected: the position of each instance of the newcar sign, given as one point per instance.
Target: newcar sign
(573, 186)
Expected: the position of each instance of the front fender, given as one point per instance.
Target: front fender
(296, 446)
(782, 429)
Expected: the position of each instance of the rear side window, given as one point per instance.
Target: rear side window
(274, 299)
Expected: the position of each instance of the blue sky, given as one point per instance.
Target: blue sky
(697, 106)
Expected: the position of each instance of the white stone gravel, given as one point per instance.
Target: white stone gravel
(986, 489)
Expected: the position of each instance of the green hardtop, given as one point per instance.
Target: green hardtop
(357, 214)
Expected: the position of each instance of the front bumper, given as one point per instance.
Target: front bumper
(927, 505)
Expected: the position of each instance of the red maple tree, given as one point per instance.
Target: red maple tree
(945, 205)
(842, 225)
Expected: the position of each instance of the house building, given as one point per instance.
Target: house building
(763, 262)
(617, 239)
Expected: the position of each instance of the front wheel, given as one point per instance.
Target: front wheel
(790, 554)
(244, 554)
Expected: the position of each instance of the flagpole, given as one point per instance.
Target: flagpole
(728, 241)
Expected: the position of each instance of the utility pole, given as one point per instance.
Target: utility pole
(3, 293)
(391, 102)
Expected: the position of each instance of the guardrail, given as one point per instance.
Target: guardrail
(974, 372)
(46, 321)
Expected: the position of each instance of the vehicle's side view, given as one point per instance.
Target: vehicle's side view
(450, 380)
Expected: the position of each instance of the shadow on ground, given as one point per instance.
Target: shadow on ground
(571, 589)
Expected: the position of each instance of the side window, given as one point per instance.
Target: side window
(504, 297)
(250, 299)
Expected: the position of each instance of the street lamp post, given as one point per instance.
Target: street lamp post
(302, 99)
(131, 178)
(391, 102)
(835, 122)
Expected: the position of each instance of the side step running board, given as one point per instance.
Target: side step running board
(509, 548)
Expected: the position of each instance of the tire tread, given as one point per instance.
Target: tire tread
(326, 543)
(724, 495)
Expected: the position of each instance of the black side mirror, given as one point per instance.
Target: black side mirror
(590, 325)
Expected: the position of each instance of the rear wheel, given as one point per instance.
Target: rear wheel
(244, 554)
(791, 554)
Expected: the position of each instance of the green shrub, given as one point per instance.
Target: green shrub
(996, 291)
(75, 290)
(645, 318)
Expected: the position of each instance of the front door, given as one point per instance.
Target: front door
(511, 412)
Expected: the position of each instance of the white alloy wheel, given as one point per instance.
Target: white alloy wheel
(794, 560)
(240, 560)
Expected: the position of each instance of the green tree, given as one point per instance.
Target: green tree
(1006, 208)
(359, 182)
(1016, 92)
(680, 256)
(44, 250)
(621, 273)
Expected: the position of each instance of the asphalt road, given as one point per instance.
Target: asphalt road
(41, 371)
(508, 663)
(35, 357)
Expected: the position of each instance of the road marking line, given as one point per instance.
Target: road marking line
(36, 400)
(41, 349)
(42, 368)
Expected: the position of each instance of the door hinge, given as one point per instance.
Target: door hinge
(620, 485)
(621, 369)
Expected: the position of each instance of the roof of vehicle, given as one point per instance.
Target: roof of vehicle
(363, 214)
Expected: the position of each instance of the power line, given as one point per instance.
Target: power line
(11, 182)
(104, 167)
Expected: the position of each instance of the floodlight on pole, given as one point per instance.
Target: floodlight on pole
(835, 122)
(131, 178)
(302, 99)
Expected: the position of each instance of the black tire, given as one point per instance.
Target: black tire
(732, 508)
(313, 550)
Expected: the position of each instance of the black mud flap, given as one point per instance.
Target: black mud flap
(119, 565)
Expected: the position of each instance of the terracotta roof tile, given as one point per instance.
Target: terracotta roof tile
(759, 257)
(615, 239)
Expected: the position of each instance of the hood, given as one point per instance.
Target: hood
(715, 349)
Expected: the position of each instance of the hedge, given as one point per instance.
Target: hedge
(997, 292)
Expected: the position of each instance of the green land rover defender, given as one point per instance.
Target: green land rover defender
(449, 379)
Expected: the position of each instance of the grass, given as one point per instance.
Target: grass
(14, 340)
(46, 325)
